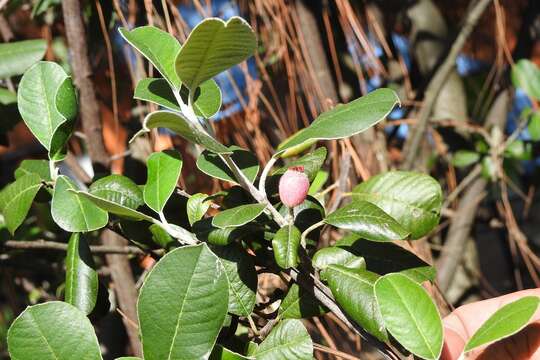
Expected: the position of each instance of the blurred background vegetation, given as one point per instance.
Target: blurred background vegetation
(469, 117)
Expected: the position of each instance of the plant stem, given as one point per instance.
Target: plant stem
(308, 230)
(264, 175)
(53, 245)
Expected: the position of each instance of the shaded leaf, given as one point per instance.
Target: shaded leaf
(384, 258)
(73, 213)
(113, 207)
(38, 167)
(7, 97)
(158, 46)
(285, 244)
(410, 315)
(526, 75)
(353, 290)
(288, 340)
(163, 173)
(367, 220)
(214, 46)
(180, 125)
(311, 163)
(207, 98)
(346, 120)
(335, 255)
(463, 158)
(238, 216)
(505, 322)
(205, 231)
(242, 278)
(51, 331)
(17, 57)
(81, 276)
(299, 304)
(221, 353)
(211, 164)
(534, 126)
(413, 199)
(186, 296)
(16, 199)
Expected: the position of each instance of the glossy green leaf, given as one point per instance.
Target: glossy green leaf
(17, 57)
(368, 220)
(318, 182)
(534, 126)
(463, 158)
(410, 315)
(211, 164)
(238, 216)
(158, 91)
(413, 199)
(197, 206)
(182, 304)
(118, 189)
(163, 173)
(335, 255)
(81, 276)
(384, 258)
(311, 163)
(242, 278)
(505, 322)
(7, 97)
(214, 46)
(353, 290)
(159, 47)
(299, 304)
(285, 244)
(73, 213)
(16, 199)
(51, 331)
(221, 353)
(346, 120)
(526, 75)
(48, 105)
(38, 167)
(288, 340)
(180, 125)
(113, 207)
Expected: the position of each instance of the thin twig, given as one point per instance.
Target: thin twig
(41, 244)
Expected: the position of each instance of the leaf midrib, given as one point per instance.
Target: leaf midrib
(42, 334)
(18, 195)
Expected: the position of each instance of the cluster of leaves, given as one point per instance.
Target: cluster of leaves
(195, 296)
(490, 147)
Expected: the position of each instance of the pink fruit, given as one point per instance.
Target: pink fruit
(293, 186)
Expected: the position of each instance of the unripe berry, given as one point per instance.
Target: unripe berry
(293, 187)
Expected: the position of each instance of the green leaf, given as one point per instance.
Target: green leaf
(38, 167)
(163, 173)
(238, 216)
(489, 169)
(242, 278)
(158, 91)
(73, 213)
(505, 322)
(118, 189)
(48, 106)
(288, 340)
(81, 276)
(186, 296)
(311, 162)
(526, 75)
(7, 97)
(158, 46)
(16, 199)
(205, 231)
(113, 207)
(367, 220)
(413, 199)
(410, 315)
(353, 290)
(517, 149)
(463, 158)
(335, 255)
(346, 120)
(128, 358)
(221, 353)
(211, 164)
(214, 46)
(285, 244)
(17, 57)
(51, 331)
(197, 206)
(318, 182)
(180, 125)
(534, 126)
(384, 258)
(299, 304)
